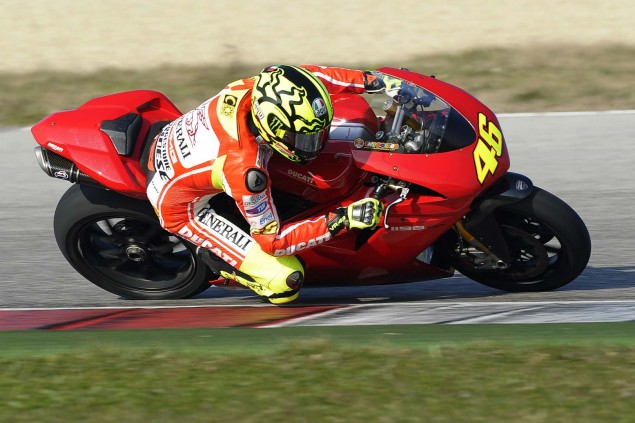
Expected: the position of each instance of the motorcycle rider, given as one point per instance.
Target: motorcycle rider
(224, 146)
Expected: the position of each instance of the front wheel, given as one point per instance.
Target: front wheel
(117, 243)
(548, 242)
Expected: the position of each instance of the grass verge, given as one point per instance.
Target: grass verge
(544, 78)
(471, 373)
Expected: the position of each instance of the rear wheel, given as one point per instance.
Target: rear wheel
(116, 242)
(548, 242)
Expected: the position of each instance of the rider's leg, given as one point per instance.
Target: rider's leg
(213, 226)
(277, 278)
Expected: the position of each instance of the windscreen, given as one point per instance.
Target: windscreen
(435, 126)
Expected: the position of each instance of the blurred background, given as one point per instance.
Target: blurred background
(68, 35)
(525, 55)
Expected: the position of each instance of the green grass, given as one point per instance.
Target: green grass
(432, 373)
(264, 341)
(552, 78)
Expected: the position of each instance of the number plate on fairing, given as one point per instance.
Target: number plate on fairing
(488, 148)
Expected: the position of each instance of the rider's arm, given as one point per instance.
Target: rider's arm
(276, 239)
(342, 80)
(254, 200)
(292, 238)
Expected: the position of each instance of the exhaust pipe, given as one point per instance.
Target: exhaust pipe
(60, 167)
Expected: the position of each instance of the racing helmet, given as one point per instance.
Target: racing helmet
(292, 111)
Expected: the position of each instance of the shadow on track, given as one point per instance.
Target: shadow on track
(599, 278)
(599, 283)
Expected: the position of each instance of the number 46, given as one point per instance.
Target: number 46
(488, 148)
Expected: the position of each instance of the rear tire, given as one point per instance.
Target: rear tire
(549, 244)
(117, 243)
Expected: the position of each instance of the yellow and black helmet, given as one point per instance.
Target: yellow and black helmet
(292, 111)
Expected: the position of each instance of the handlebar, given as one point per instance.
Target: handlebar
(380, 190)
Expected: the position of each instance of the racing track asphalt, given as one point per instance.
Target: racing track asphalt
(584, 158)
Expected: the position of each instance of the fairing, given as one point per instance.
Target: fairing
(77, 135)
(453, 171)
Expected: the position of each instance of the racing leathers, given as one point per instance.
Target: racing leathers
(215, 148)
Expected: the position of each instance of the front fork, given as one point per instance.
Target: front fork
(482, 231)
(491, 260)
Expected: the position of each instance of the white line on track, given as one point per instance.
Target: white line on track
(433, 312)
(471, 312)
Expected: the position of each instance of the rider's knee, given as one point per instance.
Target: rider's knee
(280, 277)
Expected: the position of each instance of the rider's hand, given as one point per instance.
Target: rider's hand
(372, 84)
(362, 214)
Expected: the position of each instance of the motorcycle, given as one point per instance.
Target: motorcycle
(431, 152)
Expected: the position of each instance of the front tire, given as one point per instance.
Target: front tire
(116, 243)
(549, 244)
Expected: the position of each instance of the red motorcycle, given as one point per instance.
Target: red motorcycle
(431, 152)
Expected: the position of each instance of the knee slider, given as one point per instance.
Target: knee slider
(287, 281)
(294, 283)
(294, 280)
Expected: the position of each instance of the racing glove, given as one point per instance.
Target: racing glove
(362, 214)
(372, 84)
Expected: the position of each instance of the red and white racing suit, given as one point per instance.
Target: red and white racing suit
(210, 150)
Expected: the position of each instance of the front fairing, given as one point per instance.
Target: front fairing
(455, 146)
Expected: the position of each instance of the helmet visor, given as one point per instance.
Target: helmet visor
(306, 146)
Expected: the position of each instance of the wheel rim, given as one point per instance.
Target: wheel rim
(534, 247)
(529, 257)
(135, 254)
